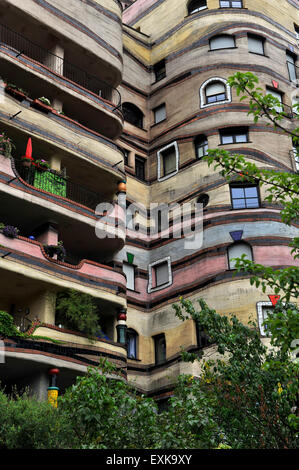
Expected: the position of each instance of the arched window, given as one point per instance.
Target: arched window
(213, 91)
(236, 251)
(132, 338)
(201, 146)
(196, 5)
(132, 114)
(203, 199)
(222, 41)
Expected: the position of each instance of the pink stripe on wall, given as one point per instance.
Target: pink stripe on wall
(136, 9)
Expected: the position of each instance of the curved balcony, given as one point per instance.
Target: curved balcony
(81, 27)
(48, 74)
(103, 282)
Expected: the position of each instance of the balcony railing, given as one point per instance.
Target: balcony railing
(53, 182)
(23, 46)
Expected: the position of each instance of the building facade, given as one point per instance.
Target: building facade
(150, 81)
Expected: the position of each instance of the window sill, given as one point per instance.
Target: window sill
(236, 143)
(222, 48)
(261, 55)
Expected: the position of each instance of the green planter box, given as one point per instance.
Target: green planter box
(50, 182)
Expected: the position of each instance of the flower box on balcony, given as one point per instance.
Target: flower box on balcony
(42, 106)
(17, 93)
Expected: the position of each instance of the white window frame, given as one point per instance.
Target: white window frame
(133, 272)
(160, 157)
(203, 97)
(151, 288)
(196, 10)
(260, 317)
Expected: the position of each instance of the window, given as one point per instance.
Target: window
(129, 271)
(222, 42)
(201, 146)
(277, 95)
(256, 44)
(291, 63)
(140, 168)
(236, 251)
(160, 349)
(132, 114)
(201, 337)
(214, 91)
(231, 4)
(160, 275)
(132, 338)
(160, 70)
(160, 113)
(263, 311)
(168, 158)
(297, 32)
(126, 156)
(203, 199)
(244, 196)
(196, 5)
(234, 135)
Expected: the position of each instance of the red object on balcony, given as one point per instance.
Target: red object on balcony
(27, 158)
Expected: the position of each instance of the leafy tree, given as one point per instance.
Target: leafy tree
(254, 390)
(78, 311)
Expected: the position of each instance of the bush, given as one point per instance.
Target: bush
(29, 424)
(7, 327)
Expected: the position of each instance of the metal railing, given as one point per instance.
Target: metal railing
(23, 46)
(53, 182)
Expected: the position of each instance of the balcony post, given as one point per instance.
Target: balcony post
(55, 162)
(53, 389)
(55, 58)
(43, 307)
(121, 326)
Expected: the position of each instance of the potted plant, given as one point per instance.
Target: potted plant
(59, 250)
(18, 93)
(43, 104)
(6, 145)
(10, 231)
(42, 165)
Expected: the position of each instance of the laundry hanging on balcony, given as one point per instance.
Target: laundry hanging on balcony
(50, 182)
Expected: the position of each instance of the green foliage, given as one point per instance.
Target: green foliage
(252, 391)
(7, 326)
(29, 424)
(6, 145)
(78, 311)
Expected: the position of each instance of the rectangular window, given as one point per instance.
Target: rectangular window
(126, 157)
(129, 271)
(161, 274)
(168, 160)
(256, 44)
(244, 197)
(160, 113)
(296, 27)
(277, 95)
(231, 4)
(160, 70)
(291, 63)
(296, 156)
(160, 349)
(222, 42)
(234, 136)
(140, 168)
(215, 92)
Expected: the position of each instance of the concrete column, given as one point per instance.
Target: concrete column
(43, 307)
(57, 104)
(55, 162)
(39, 386)
(55, 58)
